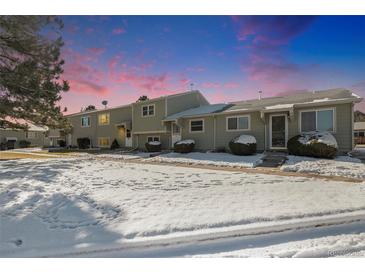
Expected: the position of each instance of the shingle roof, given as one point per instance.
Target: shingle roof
(202, 110)
(301, 98)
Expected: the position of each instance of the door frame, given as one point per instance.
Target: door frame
(286, 130)
(172, 133)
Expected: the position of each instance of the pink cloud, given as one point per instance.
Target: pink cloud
(196, 69)
(118, 31)
(265, 39)
(213, 85)
(231, 85)
(84, 86)
(96, 51)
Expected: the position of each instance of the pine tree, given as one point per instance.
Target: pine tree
(31, 70)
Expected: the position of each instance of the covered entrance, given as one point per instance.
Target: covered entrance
(175, 133)
(278, 129)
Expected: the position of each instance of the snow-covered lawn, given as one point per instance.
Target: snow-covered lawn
(341, 166)
(213, 159)
(55, 206)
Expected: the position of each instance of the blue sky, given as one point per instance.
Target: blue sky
(119, 58)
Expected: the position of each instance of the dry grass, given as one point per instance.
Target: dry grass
(12, 156)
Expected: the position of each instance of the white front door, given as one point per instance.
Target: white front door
(278, 131)
(175, 133)
(128, 138)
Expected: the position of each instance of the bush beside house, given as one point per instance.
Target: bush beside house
(115, 145)
(24, 143)
(243, 145)
(83, 143)
(153, 146)
(313, 144)
(184, 146)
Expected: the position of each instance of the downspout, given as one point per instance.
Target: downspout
(352, 127)
(214, 132)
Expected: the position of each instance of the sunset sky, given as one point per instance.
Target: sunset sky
(228, 58)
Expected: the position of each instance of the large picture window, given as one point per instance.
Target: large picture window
(321, 120)
(85, 121)
(238, 123)
(104, 119)
(104, 142)
(197, 125)
(148, 110)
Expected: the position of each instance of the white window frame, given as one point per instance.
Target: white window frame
(316, 110)
(153, 138)
(103, 138)
(237, 117)
(33, 135)
(286, 130)
(89, 121)
(203, 126)
(148, 110)
(106, 113)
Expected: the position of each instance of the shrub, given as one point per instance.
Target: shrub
(153, 146)
(24, 143)
(184, 146)
(115, 144)
(83, 143)
(243, 145)
(2, 146)
(61, 143)
(313, 144)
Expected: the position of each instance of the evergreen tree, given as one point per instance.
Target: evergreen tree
(31, 70)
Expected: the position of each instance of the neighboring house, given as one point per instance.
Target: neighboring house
(359, 132)
(190, 116)
(36, 135)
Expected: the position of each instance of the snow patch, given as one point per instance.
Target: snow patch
(318, 136)
(185, 142)
(340, 166)
(245, 139)
(154, 143)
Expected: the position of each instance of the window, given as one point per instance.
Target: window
(30, 135)
(238, 123)
(148, 110)
(128, 133)
(321, 120)
(196, 125)
(104, 142)
(85, 121)
(361, 133)
(175, 129)
(153, 139)
(356, 134)
(104, 119)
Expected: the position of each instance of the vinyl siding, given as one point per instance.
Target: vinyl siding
(95, 130)
(257, 130)
(203, 140)
(39, 140)
(180, 103)
(149, 123)
(141, 140)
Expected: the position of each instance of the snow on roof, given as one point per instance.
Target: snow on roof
(280, 106)
(31, 126)
(359, 125)
(206, 109)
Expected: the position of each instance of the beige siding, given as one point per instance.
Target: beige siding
(40, 138)
(203, 140)
(141, 139)
(343, 125)
(95, 131)
(257, 130)
(149, 123)
(180, 103)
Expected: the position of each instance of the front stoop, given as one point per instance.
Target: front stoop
(273, 159)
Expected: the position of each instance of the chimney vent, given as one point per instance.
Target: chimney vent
(260, 92)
